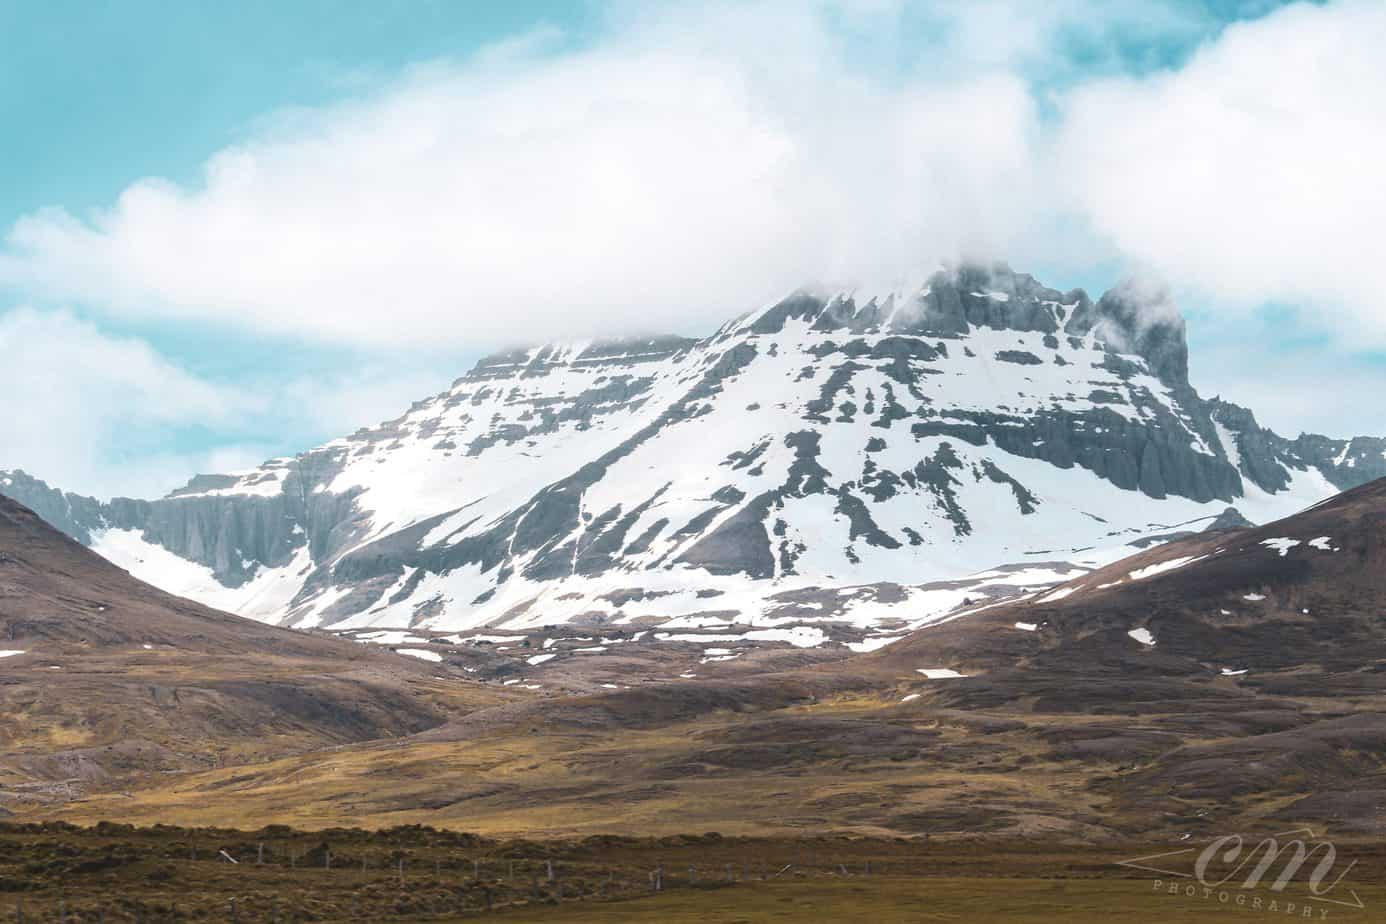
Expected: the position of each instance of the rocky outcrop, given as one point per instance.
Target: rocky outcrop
(233, 534)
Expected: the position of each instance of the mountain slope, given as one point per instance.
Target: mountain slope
(1300, 594)
(104, 678)
(1249, 668)
(1240, 711)
(801, 464)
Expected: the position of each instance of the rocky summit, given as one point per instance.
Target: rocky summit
(813, 463)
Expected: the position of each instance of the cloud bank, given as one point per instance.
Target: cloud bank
(656, 180)
(1254, 173)
(693, 163)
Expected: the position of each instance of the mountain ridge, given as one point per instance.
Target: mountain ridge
(819, 442)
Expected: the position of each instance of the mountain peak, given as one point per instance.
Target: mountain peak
(1133, 318)
(828, 440)
(1142, 319)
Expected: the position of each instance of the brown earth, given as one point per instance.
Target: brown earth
(119, 683)
(1076, 732)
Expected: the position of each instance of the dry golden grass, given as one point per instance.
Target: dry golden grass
(624, 781)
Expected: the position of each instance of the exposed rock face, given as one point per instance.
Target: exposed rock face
(824, 440)
(71, 513)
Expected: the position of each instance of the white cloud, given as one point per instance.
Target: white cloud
(79, 397)
(1255, 172)
(698, 160)
(688, 167)
(101, 414)
(329, 406)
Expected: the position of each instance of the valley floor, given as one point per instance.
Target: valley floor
(116, 873)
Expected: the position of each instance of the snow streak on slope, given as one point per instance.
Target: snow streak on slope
(824, 459)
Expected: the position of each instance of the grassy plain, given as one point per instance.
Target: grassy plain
(113, 873)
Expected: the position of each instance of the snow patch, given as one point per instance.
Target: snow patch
(1282, 546)
(390, 638)
(872, 643)
(1174, 563)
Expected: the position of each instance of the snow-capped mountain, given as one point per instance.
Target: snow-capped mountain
(881, 461)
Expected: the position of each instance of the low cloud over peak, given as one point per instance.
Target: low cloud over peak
(687, 166)
(682, 168)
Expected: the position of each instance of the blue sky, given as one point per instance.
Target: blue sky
(235, 230)
(100, 93)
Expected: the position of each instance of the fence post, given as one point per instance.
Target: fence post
(233, 911)
(260, 855)
(476, 869)
(401, 872)
(550, 867)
